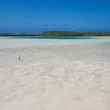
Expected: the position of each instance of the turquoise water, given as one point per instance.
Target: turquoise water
(55, 37)
(66, 37)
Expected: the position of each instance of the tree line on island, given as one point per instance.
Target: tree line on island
(57, 33)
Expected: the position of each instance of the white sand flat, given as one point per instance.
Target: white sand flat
(54, 74)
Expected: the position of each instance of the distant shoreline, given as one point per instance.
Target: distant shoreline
(57, 33)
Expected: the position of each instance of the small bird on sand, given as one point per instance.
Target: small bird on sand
(19, 58)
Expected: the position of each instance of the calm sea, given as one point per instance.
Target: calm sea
(54, 37)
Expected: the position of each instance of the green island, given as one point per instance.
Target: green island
(57, 33)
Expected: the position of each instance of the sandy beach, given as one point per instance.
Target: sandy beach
(54, 74)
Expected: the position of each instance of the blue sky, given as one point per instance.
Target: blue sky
(43, 15)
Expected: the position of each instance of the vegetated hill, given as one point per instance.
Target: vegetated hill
(58, 33)
(61, 33)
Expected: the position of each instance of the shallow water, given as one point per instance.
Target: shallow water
(24, 41)
(53, 37)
